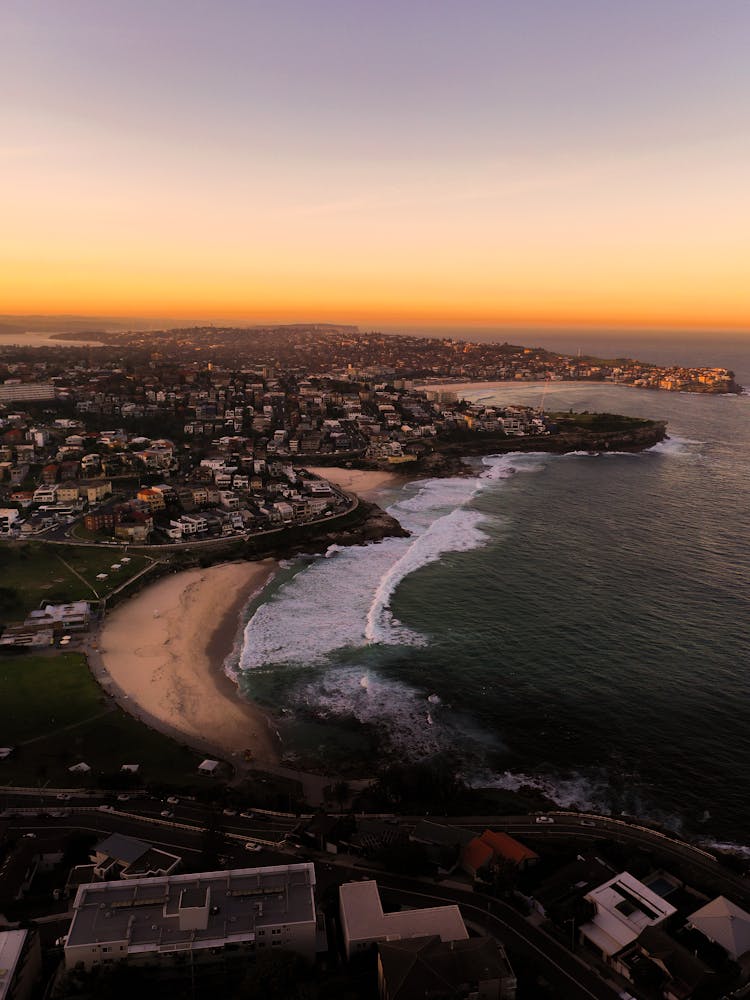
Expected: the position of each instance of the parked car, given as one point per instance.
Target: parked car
(543, 819)
(252, 846)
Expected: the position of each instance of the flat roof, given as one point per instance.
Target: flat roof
(11, 946)
(363, 917)
(624, 908)
(145, 912)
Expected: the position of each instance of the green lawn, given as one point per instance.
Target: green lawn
(42, 694)
(39, 572)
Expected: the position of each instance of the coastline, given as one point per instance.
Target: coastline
(366, 483)
(171, 674)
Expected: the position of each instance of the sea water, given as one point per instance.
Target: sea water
(577, 624)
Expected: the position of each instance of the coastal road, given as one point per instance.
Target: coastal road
(570, 976)
(590, 828)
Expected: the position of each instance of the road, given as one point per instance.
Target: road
(569, 975)
(183, 831)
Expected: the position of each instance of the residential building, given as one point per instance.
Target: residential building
(460, 970)
(364, 924)
(623, 909)
(118, 856)
(725, 923)
(163, 919)
(20, 964)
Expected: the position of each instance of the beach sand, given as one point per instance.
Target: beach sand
(364, 482)
(162, 652)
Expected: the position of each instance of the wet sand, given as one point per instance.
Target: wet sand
(163, 652)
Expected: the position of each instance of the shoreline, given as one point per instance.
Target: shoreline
(172, 676)
(366, 483)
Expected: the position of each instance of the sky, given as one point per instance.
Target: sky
(483, 162)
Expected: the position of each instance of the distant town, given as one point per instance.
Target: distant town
(131, 863)
(204, 437)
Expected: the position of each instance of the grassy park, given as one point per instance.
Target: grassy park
(55, 715)
(33, 572)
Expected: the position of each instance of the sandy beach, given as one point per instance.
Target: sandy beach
(162, 654)
(364, 482)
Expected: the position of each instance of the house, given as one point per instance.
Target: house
(660, 964)
(363, 922)
(508, 850)
(118, 856)
(724, 923)
(428, 967)
(209, 767)
(475, 856)
(623, 909)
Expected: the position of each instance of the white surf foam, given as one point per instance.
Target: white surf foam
(726, 847)
(343, 600)
(575, 792)
(677, 447)
(454, 532)
(394, 709)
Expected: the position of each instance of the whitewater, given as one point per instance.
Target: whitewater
(573, 626)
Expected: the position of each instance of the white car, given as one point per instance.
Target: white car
(172, 801)
(252, 846)
(166, 814)
(543, 819)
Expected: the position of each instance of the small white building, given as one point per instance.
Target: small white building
(364, 924)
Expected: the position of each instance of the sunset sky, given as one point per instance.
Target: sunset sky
(401, 161)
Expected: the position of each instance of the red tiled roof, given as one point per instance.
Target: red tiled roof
(506, 847)
(476, 854)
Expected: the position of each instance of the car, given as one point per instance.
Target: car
(543, 819)
(123, 797)
(63, 796)
(173, 801)
(106, 809)
(229, 812)
(587, 822)
(166, 814)
(30, 835)
(247, 815)
(252, 846)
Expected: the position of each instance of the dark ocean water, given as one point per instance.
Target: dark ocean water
(575, 623)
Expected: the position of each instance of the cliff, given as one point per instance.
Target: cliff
(571, 432)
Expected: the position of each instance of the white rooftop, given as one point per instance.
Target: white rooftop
(363, 918)
(11, 946)
(624, 908)
(724, 922)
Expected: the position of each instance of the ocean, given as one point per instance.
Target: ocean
(573, 624)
